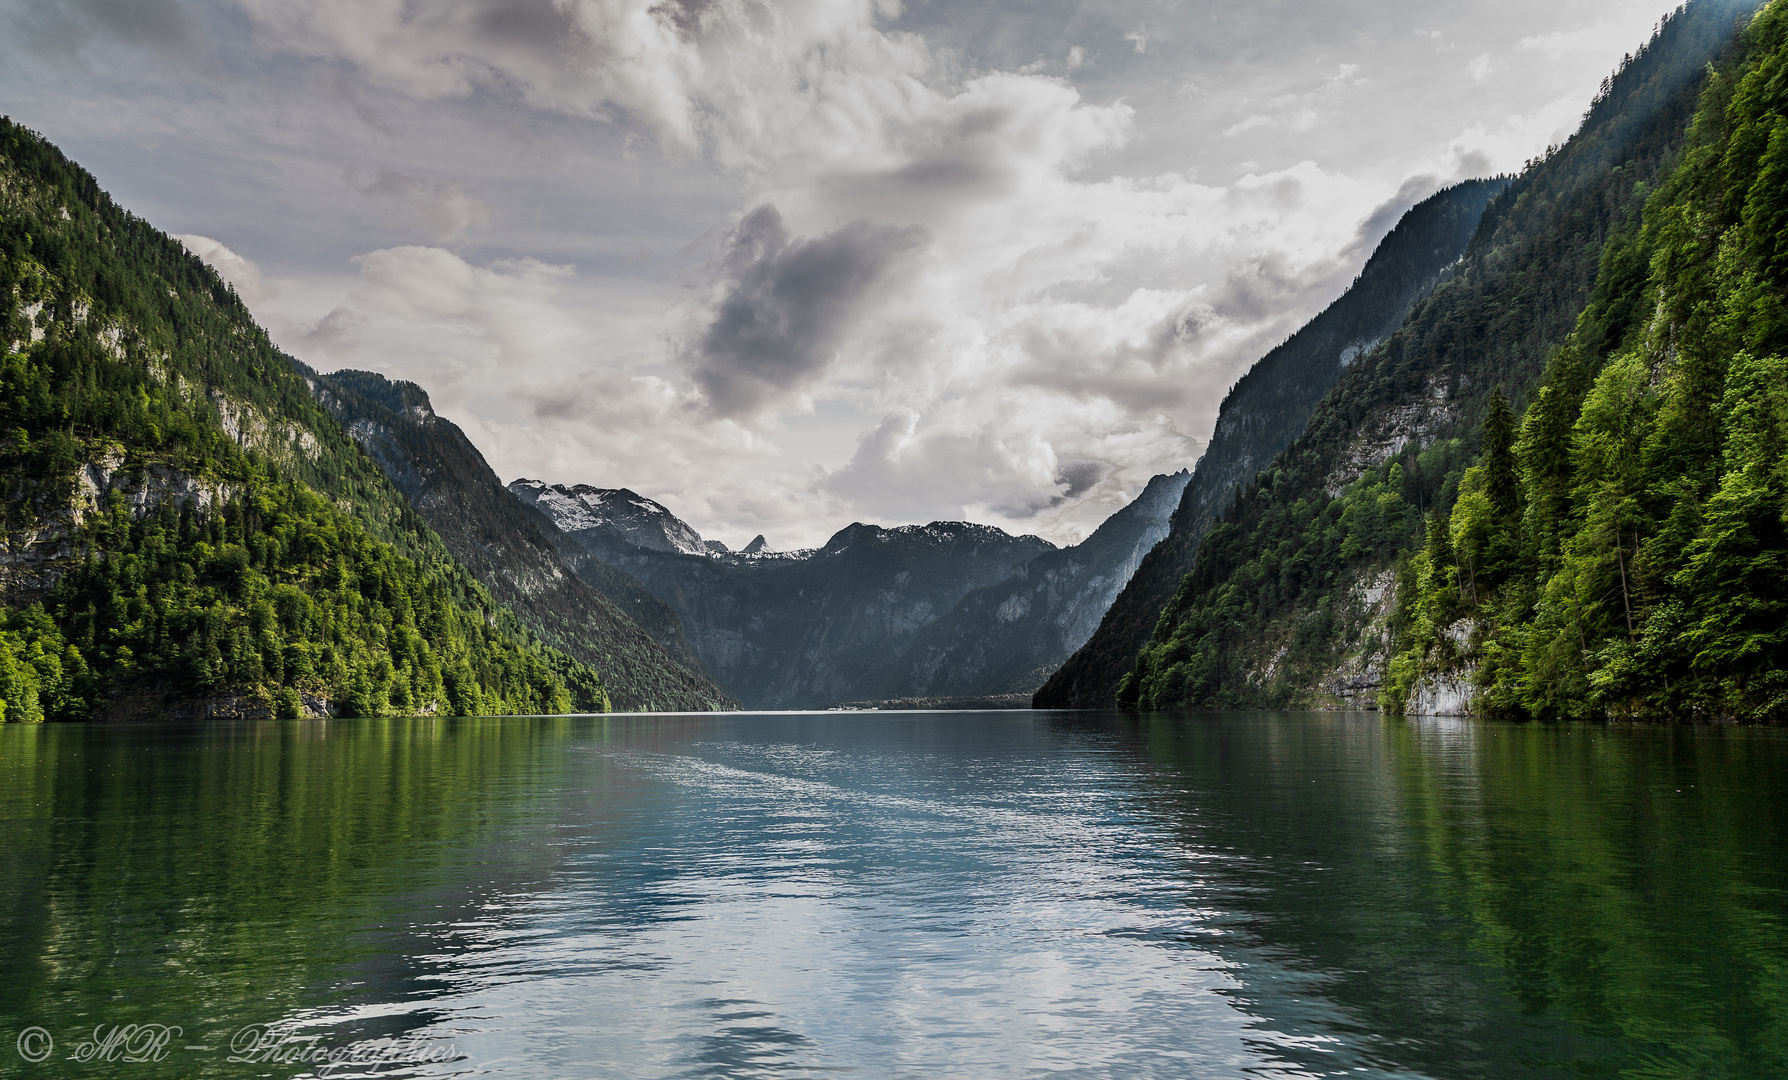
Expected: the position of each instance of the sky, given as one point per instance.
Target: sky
(788, 265)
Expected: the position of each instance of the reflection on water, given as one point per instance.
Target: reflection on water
(895, 895)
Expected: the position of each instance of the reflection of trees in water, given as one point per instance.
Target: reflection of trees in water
(216, 875)
(1486, 900)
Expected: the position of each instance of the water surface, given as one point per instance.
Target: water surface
(893, 895)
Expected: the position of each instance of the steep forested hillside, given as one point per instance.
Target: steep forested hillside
(1622, 550)
(185, 527)
(451, 487)
(1266, 409)
(1295, 594)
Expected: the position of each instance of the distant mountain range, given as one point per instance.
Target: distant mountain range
(948, 610)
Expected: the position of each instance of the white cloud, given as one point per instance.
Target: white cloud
(501, 354)
(925, 251)
(247, 278)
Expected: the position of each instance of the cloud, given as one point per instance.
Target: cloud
(595, 58)
(65, 27)
(1302, 111)
(502, 353)
(441, 212)
(247, 278)
(1480, 67)
(787, 306)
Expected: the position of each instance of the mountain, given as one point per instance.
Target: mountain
(785, 630)
(1621, 548)
(635, 640)
(1555, 489)
(187, 530)
(1008, 637)
(629, 518)
(1265, 410)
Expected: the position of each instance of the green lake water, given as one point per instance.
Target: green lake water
(893, 895)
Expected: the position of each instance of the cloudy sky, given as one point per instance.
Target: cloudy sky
(786, 265)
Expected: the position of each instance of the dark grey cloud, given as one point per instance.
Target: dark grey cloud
(63, 27)
(1081, 477)
(786, 306)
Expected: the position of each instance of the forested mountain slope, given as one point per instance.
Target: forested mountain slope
(1294, 594)
(186, 528)
(1622, 550)
(1266, 409)
(449, 484)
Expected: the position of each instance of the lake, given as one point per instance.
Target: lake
(893, 895)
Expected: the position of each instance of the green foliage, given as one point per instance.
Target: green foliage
(1251, 571)
(276, 596)
(1650, 568)
(129, 368)
(1264, 412)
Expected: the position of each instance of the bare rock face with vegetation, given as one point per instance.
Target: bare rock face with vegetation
(1621, 549)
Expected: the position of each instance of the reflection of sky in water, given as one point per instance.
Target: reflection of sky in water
(1003, 904)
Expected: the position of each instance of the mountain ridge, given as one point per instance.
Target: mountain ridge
(1262, 413)
(636, 640)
